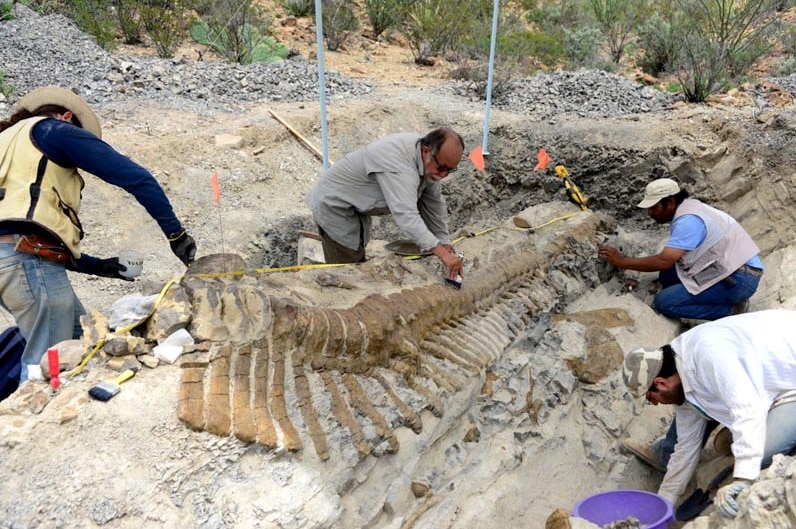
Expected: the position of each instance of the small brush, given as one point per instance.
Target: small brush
(106, 389)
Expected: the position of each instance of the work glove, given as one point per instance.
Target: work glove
(183, 246)
(726, 499)
(110, 267)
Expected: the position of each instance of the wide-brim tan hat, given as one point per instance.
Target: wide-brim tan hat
(63, 97)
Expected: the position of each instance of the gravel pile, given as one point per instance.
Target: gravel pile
(40, 50)
(584, 93)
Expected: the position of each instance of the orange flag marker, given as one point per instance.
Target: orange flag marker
(543, 158)
(216, 189)
(477, 157)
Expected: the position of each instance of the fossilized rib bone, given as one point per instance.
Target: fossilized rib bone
(366, 367)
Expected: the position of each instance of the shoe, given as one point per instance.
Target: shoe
(642, 451)
(741, 307)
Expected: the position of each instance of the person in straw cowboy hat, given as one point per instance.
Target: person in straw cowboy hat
(51, 135)
(739, 371)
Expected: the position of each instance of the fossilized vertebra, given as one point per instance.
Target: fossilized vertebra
(369, 367)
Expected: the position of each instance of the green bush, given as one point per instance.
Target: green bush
(94, 18)
(261, 49)
(432, 27)
(553, 17)
(382, 15)
(674, 88)
(720, 41)
(617, 20)
(582, 45)
(165, 23)
(129, 23)
(6, 88)
(787, 39)
(235, 29)
(546, 48)
(6, 11)
(300, 8)
(785, 67)
(339, 21)
(660, 44)
(47, 7)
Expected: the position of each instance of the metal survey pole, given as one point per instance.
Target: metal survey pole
(321, 82)
(495, 10)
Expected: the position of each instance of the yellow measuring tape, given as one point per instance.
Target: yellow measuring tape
(293, 268)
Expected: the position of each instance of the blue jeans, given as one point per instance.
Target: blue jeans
(674, 301)
(38, 294)
(780, 436)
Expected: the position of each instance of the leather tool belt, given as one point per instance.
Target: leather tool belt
(41, 247)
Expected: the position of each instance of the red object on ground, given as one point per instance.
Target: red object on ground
(55, 370)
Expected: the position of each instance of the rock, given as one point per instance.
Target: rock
(229, 141)
(172, 313)
(70, 354)
(420, 490)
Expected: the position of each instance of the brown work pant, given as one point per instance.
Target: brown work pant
(334, 252)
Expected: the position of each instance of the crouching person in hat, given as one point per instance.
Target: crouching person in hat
(51, 135)
(709, 267)
(739, 371)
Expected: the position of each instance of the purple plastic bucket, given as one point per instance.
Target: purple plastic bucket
(651, 510)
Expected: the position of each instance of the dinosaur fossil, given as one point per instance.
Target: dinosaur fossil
(289, 370)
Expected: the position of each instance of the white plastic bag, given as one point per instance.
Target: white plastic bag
(131, 310)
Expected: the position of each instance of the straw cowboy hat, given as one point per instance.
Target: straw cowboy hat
(63, 97)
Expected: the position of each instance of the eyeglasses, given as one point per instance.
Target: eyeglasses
(442, 168)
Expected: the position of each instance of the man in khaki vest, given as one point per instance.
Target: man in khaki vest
(709, 267)
(51, 135)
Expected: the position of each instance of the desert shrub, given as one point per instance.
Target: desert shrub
(262, 48)
(381, 14)
(785, 67)
(300, 8)
(126, 12)
(235, 28)
(431, 27)
(617, 20)
(165, 23)
(658, 38)
(673, 88)
(6, 88)
(553, 17)
(582, 45)
(720, 41)
(787, 40)
(565, 22)
(339, 21)
(546, 48)
(94, 18)
(6, 11)
(46, 7)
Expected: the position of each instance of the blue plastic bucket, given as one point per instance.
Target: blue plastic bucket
(651, 510)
